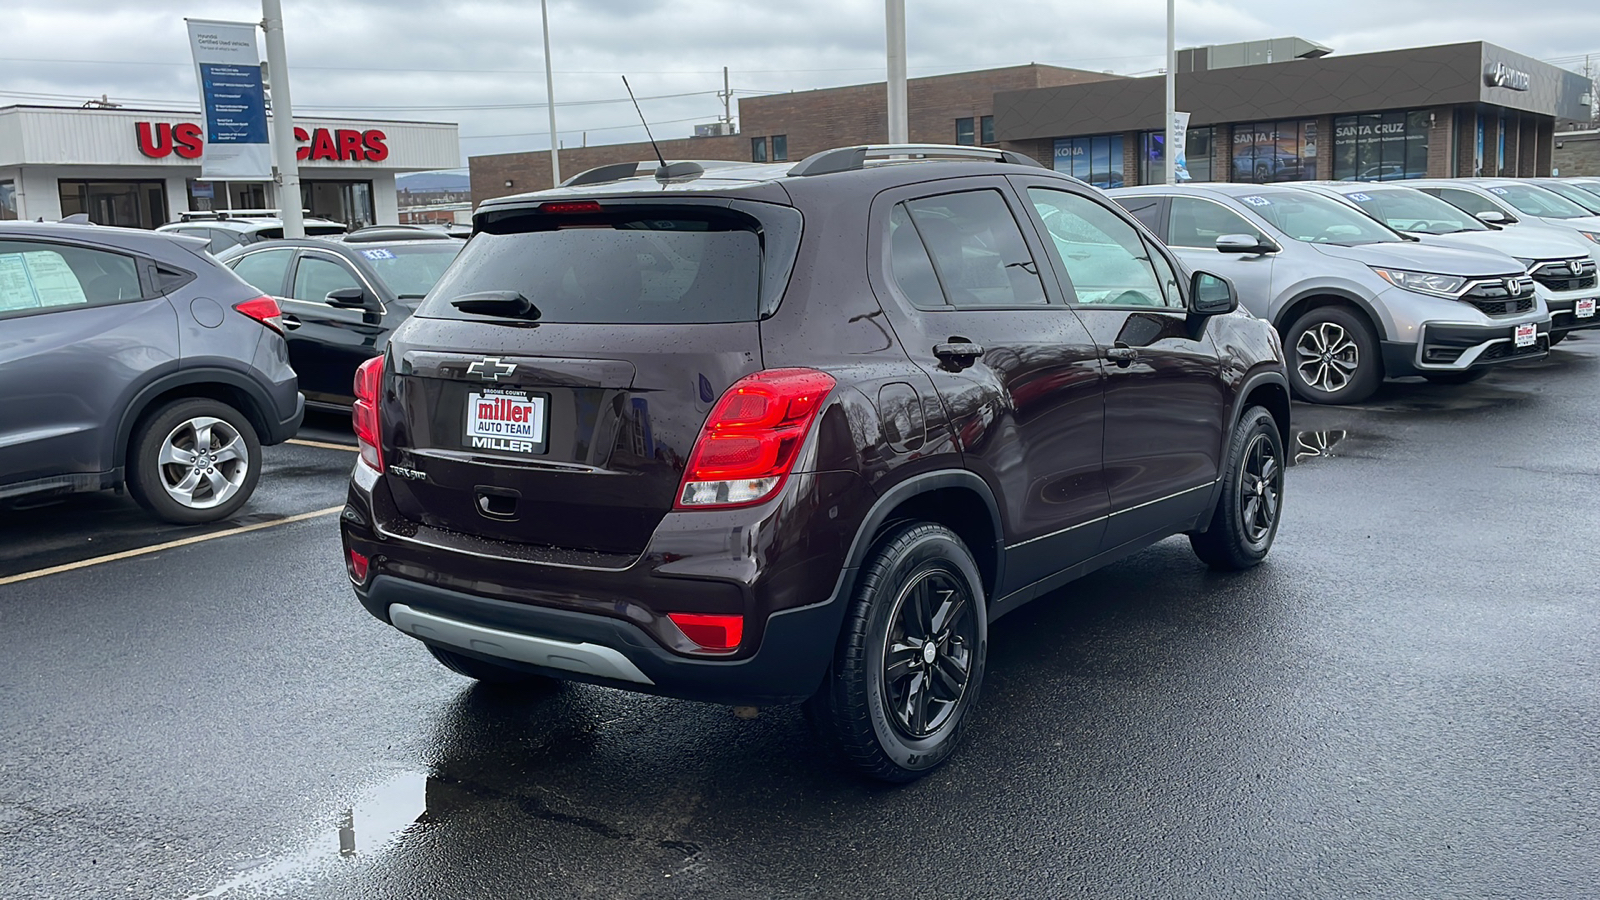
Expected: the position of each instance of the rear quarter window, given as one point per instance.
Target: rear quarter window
(40, 277)
(622, 267)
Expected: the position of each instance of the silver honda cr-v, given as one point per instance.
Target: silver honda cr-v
(1354, 300)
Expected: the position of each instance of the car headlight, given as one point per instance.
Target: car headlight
(1448, 286)
(1593, 236)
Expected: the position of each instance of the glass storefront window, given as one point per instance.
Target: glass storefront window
(206, 196)
(1275, 151)
(1196, 151)
(1097, 160)
(8, 200)
(349, 202)
(1381, 146)
(130, 204)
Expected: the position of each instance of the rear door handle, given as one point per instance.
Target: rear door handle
(1122, 355)
(957, 355)
(291, 322)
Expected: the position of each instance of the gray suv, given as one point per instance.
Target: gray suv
(1354, 300)
(131, 358)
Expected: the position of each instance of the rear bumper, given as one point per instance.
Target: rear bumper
(787, 668)
(284, 429)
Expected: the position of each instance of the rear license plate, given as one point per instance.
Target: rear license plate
(1586, 307)
(511, 421)
(1527, 334)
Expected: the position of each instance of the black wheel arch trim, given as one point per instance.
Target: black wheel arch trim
(1241, 402)
(1281, 320)
(898, 494)
(264, 412)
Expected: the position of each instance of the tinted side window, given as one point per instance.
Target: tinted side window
(1146, 209)
(265, 270)
(909, 264)
(1103, 256)
(977, 249)
(36, 277)
(315, 278)
(1198, 223)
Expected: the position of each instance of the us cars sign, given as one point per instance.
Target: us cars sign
(185, 139)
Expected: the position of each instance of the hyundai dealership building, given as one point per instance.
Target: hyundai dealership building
(1287, 110)
(141, 168)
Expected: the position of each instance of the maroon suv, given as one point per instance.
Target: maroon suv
(772, 434)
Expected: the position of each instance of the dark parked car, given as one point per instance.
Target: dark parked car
(342, 299)
(133, 358)
(798, 433)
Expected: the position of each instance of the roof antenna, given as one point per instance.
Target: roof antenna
(678, 171)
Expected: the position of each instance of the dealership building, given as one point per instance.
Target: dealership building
(141, 168)
(1278, 110)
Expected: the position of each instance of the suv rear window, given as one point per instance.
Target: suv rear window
(617, 267)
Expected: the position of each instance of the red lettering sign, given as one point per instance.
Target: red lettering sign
(162, 139)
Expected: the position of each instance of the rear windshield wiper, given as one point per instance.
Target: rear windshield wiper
(507, 304)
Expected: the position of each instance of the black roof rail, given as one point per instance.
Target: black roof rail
(682, 170)
(849, 159)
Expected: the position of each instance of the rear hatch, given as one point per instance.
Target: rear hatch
(561, 408)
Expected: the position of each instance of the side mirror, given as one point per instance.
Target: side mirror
(1211, 295)
(350, 298)
(1246, 243)
(1495, 217)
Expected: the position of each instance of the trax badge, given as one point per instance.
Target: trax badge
(490, 368)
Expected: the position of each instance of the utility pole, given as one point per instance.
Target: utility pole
(894, 15)
(550, 95)
(294, 223)
(1172, 93)
(727, 103)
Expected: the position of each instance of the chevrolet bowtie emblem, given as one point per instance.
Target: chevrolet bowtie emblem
(490, 368)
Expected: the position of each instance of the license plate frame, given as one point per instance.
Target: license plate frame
(506, 420)
(1584, 309)
(1525, 335)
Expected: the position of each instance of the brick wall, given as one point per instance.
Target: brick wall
(811, 120)
(1577, 154)
(1442, 143)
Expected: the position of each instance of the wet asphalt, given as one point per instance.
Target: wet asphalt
(1400, 703)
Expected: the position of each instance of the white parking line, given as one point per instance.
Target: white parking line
(323, 444)
(157, 548)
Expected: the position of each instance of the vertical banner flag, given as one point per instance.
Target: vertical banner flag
(229, 70)
(1180, 146)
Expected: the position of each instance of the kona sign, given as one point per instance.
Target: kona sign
(1503, 76)
(161, 139)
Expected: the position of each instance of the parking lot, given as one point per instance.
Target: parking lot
(1400, 702)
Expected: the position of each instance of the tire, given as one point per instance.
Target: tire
(871, 716)
(485, 671)
(1246, 518)
(1460, 376)
(1333, 356)
(166, 475)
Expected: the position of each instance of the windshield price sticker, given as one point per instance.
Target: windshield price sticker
(1361, 197)
(1257, 201)
(1527, 335)
(1585, 307)
(379, 253)
(1497, 190)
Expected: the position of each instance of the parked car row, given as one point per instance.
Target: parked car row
(1439, 278)
(136, 360)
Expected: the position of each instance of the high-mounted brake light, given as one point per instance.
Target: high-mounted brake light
(364, 413)
(710, 632)
(568, 207)
(263, 309)
(751, 439)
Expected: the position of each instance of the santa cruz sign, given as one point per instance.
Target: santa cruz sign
(161, 139)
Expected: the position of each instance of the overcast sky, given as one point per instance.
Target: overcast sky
(434, 60)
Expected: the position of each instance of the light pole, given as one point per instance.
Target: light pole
(294, 223)
(894, 14)
(1172, 93)
(550, 95)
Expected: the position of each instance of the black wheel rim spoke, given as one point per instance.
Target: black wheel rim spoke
(1260, 483)
(927, 658)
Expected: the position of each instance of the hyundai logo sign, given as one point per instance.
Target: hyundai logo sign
(1503, 76)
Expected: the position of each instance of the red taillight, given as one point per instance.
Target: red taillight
(750, 441)
(264, 310)
(710, 632)
(364, 414)
(568, 207)
(358, 568)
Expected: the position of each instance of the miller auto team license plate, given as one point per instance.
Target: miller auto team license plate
(1527, 335)
(512, 421)
(1585, 308)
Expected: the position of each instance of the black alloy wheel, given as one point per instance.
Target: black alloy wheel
(928, 651)
(1246, 518)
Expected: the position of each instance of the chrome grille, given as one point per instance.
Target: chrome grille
(1509, 296)
(1565, 274)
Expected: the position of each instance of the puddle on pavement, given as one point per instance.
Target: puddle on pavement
(366, 828)
(1309, 445)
